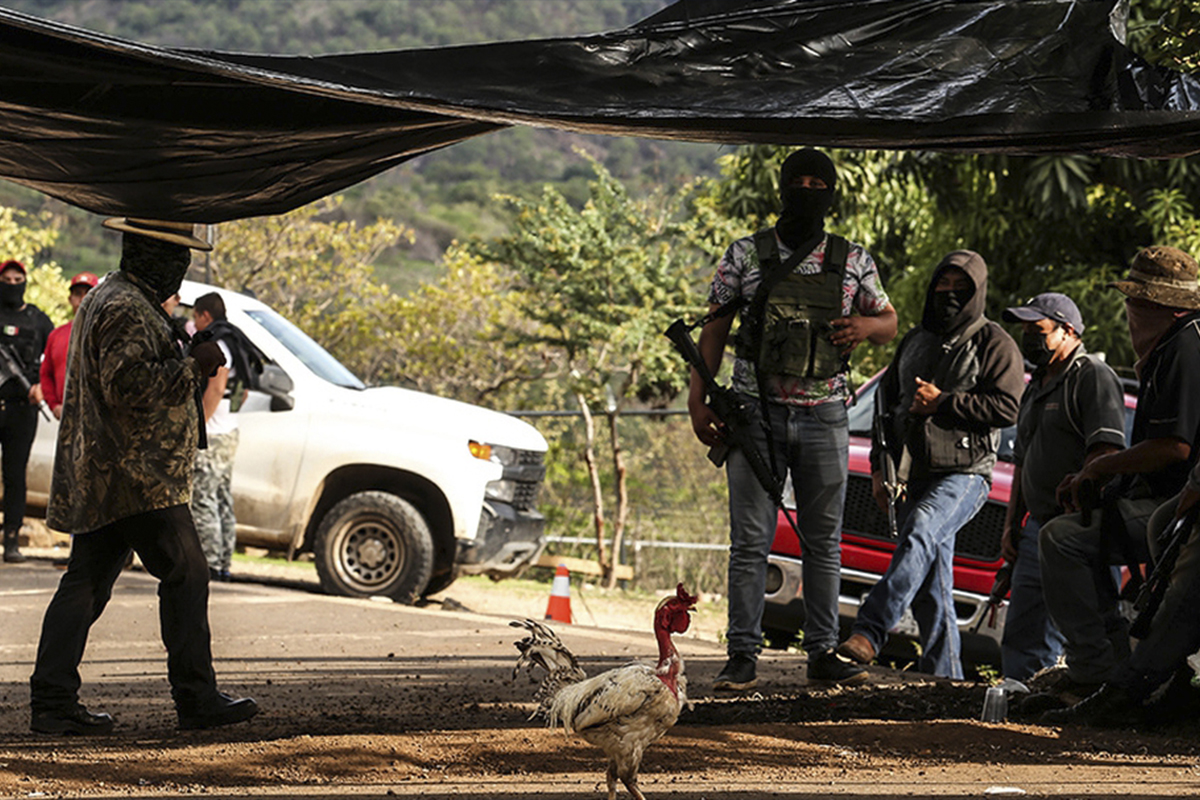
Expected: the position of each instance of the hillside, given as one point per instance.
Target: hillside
(443, 195)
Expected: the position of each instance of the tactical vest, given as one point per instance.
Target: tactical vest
(787, 327)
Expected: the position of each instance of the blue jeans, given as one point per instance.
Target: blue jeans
(812, 443)
(1030, 642)
(921, 573)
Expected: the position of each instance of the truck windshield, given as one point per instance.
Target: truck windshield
(309, 352)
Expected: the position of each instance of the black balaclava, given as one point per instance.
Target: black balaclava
(949, 313)
(804, 210)
(12, 295)
(160, 265)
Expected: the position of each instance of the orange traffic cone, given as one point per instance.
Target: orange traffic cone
(559, 608)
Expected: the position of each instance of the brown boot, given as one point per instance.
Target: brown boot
(12, 548)
(857, 648)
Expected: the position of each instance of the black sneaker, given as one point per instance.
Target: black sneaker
(829, 667)
(738, 674)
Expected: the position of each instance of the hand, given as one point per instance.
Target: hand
(849, 332)
(35, 394)
(1186, 501)
(1067, 493)
(209, 356)
(707, 425)
(57, 412)
(927, 398)
(879, 491)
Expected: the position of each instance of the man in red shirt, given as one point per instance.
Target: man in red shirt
(54, 362)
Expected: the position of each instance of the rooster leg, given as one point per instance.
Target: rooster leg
(632, 785)
(611, 777)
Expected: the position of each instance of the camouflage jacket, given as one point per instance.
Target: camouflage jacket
(127, 440)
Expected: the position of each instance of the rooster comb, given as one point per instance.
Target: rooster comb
(681, 599)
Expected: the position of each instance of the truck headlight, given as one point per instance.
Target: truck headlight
(504, 491)
(496, 453)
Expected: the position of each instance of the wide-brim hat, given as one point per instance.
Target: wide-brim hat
(174, 232)
(1162, 275)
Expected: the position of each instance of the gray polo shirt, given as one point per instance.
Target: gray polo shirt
(1061, 418)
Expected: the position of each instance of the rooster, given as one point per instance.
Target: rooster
(623, 710)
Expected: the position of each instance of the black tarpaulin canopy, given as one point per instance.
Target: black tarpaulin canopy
(118, 127)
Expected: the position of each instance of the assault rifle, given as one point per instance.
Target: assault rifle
(1150, 595)
(736, 417)
(10, 369)
(891, 482)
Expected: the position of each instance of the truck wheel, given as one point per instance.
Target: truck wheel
(374, 543)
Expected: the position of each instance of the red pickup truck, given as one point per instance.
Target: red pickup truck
(867, 549)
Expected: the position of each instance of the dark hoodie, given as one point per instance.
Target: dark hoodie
(978, 368)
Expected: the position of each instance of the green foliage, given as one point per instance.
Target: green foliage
(25, 238)
(1167, 32)
(318, 274)
(602, 283)
(453, 338)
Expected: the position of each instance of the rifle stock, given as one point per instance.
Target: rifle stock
(10, 369)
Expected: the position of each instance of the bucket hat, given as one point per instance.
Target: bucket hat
(1162, 275)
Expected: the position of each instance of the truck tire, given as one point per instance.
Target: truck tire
(372, 544)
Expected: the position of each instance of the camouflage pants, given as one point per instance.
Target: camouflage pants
(212, 500)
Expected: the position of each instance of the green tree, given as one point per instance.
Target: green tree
(26, 237)
(319, 275)
(602, 283)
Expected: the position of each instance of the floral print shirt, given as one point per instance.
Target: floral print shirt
(738, 274)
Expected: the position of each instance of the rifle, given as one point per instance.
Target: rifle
(891, 482)
(736, 418)
(1000, 588)
(1150, 595)
(10, 369)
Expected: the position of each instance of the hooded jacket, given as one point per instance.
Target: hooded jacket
(980, 372)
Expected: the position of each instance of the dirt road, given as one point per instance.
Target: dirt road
(372, 699)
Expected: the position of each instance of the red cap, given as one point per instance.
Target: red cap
(85, 279)
(12, 263)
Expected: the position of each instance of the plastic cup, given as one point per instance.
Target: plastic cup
(995, 705)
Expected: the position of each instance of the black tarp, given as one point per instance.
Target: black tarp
(118, 127)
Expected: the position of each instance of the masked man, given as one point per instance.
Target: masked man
(955, 381)
(807, 299)
(23, 332)
(122, 480)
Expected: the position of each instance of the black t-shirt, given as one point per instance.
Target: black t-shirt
(1169, 400)
(24, 332)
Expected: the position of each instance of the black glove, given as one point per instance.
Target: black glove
(209, 356)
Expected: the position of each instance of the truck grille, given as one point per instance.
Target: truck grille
(979, 539)
(528, 477)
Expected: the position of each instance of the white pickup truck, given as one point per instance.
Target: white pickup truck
(395, 492)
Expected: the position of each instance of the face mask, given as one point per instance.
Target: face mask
(1036, 348)
(1146, 326)
(161, 265)
(12, 295)
(803, 214)
(946, 306)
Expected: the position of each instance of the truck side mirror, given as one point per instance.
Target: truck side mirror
(278, 384)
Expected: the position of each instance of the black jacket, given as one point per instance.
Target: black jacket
(979, 369)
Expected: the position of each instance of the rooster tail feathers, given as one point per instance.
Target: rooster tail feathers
(543, 647)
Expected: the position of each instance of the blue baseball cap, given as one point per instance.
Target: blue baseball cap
(1050, 305)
